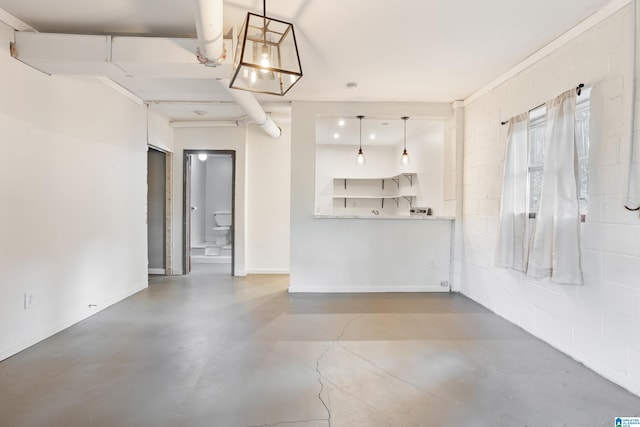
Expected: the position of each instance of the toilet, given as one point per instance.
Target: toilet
(223, 226)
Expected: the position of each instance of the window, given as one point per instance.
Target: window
(537, 123)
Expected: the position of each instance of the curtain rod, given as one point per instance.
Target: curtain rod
(578, 92)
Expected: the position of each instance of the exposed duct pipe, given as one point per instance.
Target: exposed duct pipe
(253, 109)
(211, 52)
(208, 124)
(209, 25)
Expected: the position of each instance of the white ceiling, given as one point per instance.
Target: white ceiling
(408, 50)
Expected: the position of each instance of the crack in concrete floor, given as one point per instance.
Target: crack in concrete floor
(333, 343)
(320, 381)
(365, 403)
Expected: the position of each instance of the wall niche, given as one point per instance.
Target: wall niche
(383, 185)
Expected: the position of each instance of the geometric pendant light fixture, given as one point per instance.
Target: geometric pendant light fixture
(405, 155)
(266, 58)
(360, 160)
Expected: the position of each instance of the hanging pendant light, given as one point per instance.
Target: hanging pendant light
(405, 155)
(266, 58)
(360, 160)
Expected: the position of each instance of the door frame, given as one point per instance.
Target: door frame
(186, 208)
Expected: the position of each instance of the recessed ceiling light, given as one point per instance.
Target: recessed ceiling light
(336, 135)
(372, 136)
(341, 122)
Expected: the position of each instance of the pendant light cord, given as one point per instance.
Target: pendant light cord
(264, 23)
(405, 133)
(360, 117)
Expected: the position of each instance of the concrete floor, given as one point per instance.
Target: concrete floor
(211, 350)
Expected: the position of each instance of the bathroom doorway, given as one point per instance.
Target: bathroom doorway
(209, 206)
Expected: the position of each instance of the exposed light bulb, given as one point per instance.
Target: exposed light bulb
(405, 157)
(360, 160)
(264, 61)
(202, 157)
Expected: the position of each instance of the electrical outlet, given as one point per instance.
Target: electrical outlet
(29, 300)
(444, 283)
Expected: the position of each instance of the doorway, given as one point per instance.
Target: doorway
(158, 164)
(209, 208)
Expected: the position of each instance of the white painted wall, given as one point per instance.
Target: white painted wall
(426, 154)
(72, 199)
(333, 255)
(598, 323)
(160, 133)
(268, 200)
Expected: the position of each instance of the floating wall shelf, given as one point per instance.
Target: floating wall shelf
(374, 189)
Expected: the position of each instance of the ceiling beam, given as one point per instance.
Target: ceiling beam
(14, 22)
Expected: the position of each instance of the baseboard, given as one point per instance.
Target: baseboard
(268, 271)
(67, 323)
(364, 289)
(156, 271)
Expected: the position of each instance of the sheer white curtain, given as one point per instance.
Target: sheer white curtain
(512, 243)
(555, 245)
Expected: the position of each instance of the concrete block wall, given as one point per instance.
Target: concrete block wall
(598, 324)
